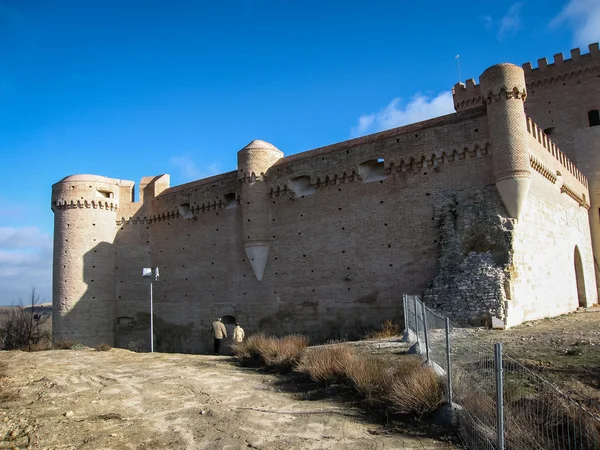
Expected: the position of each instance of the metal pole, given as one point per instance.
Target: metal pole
(499, 396)
(448, 361)
(424, 310)
(416, 319)
(404, 299)
(151, 322)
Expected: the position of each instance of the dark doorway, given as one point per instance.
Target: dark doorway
(580, 279)
(594, 117)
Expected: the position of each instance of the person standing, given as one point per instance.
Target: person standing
(219, 332)
(238, 334)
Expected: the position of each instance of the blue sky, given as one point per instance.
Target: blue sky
(131, 88)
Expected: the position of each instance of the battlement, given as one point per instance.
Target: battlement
(552, 163)
(578, 64)
(467, 95)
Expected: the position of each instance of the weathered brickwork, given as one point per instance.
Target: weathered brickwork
(325, 242)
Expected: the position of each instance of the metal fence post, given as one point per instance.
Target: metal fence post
(416, 318)
(499, 395)
(424, 309)
(404, 300)
(448, 361)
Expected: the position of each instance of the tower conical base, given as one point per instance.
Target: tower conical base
(513, 192)
(257, 253)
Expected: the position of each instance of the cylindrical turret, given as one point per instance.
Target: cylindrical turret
(254, 161)
(83, 292)
(503, 90)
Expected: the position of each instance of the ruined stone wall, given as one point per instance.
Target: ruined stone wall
(475, 255)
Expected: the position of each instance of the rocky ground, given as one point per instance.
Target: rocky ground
(83, 399)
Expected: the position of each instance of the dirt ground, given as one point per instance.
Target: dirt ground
(83, 399)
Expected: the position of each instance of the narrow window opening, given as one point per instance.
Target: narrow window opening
(230, 201)
(549, 130)
(594, 117)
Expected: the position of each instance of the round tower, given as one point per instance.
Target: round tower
(83, 281)
(254, 160)
(503, 91)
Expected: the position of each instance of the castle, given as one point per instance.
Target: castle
(487, 212)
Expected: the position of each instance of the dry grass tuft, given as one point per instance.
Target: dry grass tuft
(65, 344)
(279, 354)
(407, 387)
(414, 388)
(103, 347)
(388, 329)
(369, 376)
(327, 364)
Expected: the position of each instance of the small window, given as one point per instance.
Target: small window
(185, 211)
(301, 186)
(103, 193)
(230, 201)
(373, 170)
(594, 118)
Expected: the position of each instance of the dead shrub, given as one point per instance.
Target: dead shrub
(65, 344)
(549, 421)
(413, 388)
(103, 347)
(369, 375)
(283, 354)
(327, 364)
(279, 354)
(388, 329)
(136, 346)
(39, 347)
(24, 326)
(248, 351)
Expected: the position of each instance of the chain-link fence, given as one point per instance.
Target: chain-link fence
(532, 413)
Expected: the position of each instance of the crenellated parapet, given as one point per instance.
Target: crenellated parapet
(415, 162)
(467, 95)
(83, 204)
(562, 69)
(534, 130)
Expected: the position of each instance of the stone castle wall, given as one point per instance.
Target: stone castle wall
(325, 242)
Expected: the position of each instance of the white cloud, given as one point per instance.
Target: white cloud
(190, 171)
(25, 262)
(420, 107)
(507, 25)
(511, 22)
(583, 16)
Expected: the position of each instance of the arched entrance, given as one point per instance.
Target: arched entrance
(580, 279)
(229, 322)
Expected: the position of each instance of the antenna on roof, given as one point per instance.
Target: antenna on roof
(457, 57)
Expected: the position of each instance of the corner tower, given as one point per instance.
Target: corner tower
(254, 160)
(83, 283)
(503, 91)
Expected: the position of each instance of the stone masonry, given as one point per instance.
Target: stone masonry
(479, 210)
